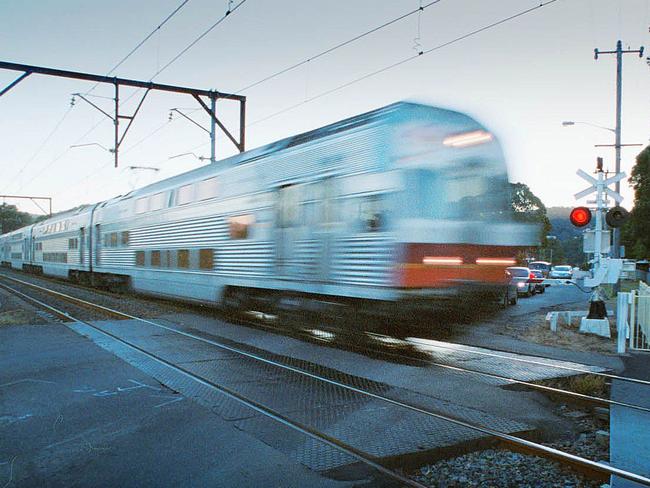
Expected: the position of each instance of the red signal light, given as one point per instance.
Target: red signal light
(580, 216)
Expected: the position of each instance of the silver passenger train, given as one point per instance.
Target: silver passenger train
(402, 208)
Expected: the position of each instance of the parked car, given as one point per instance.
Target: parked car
(543, 266)
(522, 278)
(538, 281)
(561, 272)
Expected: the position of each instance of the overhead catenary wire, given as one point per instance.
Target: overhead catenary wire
(61, 155)
(369, 75)
(386, 68)
(142, 42)
(403, 61)
(128, 55)
(41, 146)
(338, 46)
(196, 40)
(169, 63)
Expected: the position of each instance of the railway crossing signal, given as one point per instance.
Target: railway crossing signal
(616, 216)
(605, 269)
(580, 216)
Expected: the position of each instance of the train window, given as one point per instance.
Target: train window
(207, 189)
(206, 258)
(185, 194)
(139, 258)
(72, 244)
(329, 206)
(113, 239)
(125, 238)
(141, 205)
(157, 201)
(183, 258)
(288, 206)
(371, 214)
(168, 259)
(155, 258)
(239, 226)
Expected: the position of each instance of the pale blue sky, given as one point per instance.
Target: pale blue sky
(522, 79)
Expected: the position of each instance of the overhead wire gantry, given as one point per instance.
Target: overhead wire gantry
(198, 94)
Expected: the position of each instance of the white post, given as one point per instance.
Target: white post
(622, 327)
(598, 234)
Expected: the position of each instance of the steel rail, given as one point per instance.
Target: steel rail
(472, 350)
(266, 411)
(530, 446)
(550, 389)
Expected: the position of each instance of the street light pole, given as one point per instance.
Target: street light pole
(619, 85)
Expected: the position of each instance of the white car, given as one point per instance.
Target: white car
(561, 272)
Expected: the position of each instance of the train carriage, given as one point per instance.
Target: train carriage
(406, 205)
(58, 245)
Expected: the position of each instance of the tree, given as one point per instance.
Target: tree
(11, 218)
(635, 234)
(527, 207)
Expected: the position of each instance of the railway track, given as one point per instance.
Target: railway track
(438, 345)
(587, 466)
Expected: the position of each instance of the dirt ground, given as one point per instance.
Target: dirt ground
(534, 328)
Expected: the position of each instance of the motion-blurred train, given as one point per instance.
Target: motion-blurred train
(397, 210)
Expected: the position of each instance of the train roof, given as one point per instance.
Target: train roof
(403, 107)
(65, 214)
(296, 140)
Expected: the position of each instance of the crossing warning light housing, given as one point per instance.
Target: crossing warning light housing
(580, 216)
(616, 216)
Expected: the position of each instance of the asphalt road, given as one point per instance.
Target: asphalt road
(73, 414)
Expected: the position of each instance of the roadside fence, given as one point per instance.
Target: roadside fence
(633, 319)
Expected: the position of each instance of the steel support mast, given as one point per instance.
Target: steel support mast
(212, 95)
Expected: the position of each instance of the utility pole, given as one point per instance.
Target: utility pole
(619, 85)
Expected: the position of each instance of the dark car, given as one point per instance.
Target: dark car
(538, 280)
(522, 278)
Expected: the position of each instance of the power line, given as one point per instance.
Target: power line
(342, 44)
(174, 59)
(40, 148)
(193, 43)
(57, 158)
(138, 46)
(403, 61)
(141, 43)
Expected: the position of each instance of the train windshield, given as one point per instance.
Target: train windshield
(459, 195)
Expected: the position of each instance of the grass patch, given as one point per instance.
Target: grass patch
(585, 384)
(588, 384)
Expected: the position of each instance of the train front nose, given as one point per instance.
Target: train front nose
(461, 254)
(449, 265)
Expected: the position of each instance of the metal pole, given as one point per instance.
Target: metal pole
(599, 223)
(619, 84)
(213, 127)
(116, 120)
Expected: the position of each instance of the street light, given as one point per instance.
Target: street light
(94, 144)
(574, 122)
(200, 158)
(151, 168)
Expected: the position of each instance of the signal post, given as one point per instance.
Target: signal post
(604, 269)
